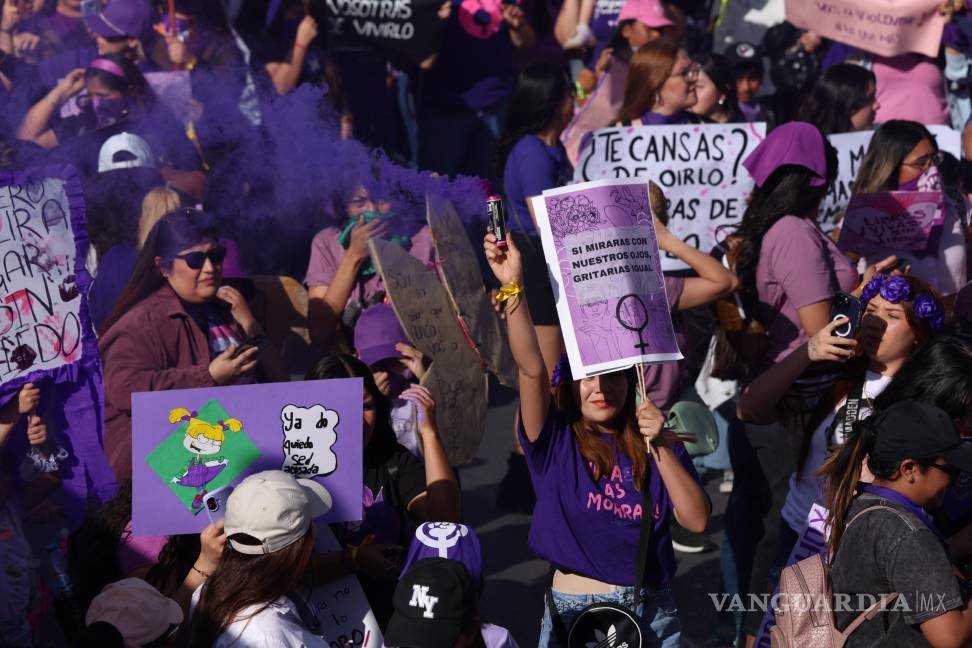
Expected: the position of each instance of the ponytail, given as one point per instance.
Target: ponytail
(843, 472)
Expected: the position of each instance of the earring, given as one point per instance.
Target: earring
(658, 100)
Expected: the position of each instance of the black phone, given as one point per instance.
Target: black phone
(850, 307)
(261, 342)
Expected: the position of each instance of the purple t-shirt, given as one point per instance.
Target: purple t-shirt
(326, 255)
(678, 119)
(664, 381)
(798, 265)
(532, 167)
(603, 23)
(591, 527)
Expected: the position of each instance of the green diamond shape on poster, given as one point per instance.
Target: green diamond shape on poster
(208, 450)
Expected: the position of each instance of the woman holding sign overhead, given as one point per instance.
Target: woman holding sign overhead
(903, 156)
(585, 445)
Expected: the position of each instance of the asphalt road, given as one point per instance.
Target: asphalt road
(515, 579)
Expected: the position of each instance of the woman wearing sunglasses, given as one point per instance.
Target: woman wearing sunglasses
(176, 327)
(903, 156)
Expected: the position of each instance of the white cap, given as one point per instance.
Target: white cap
(125, 151)
(140, 612)
(275, 509)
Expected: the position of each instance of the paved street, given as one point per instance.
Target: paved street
(515, 579)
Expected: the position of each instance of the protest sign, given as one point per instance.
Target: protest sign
(456, 377)
(699, 167)
(812, 541)
(851, 148)
(409, 28)
(604, 264)
(904, 221)
(46, 336)
(340, 605)
(459, 268)
(883, 27)
(188, 442)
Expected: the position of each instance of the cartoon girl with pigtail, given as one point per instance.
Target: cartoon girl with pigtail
(202, 438)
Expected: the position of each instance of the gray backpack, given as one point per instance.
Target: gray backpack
(804, 617)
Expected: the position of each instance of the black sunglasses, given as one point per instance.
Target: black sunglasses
(196, 260)
(951, 471)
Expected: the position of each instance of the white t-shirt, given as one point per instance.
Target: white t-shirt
(806, 488)
(494, 637)
(276, 626)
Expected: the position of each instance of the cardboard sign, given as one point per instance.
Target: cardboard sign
(409, 28)
(604, 264)
(699, 167)
(851, 148)
(456, 377)
(812, 541)
(883, 27)
(341, 606)
(189, 442)
(459, 269)
(43, 281)
(904, 221)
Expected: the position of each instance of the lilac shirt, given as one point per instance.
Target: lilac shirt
(591, 528)
(678, 119)
(326, 255)
(664, 381)
(532, 167)
(798, 265)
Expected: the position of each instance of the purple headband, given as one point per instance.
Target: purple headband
(795, 143)
(897, 290)
(108, 66)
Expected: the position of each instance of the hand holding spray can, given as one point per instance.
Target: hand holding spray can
(497, 219)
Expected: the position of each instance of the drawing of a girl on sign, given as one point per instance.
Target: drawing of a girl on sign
(203, 440)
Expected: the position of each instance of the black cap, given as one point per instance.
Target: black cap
(433, 601)
(743, 55)
(913, 430)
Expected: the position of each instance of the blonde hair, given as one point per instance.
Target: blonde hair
(198, 427)
(157, 203)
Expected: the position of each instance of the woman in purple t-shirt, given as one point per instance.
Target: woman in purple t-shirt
(660, 87)
(585, 446)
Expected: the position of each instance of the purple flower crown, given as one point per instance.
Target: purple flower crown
(897, 290)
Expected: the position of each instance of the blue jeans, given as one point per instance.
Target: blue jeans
(659, 616)
(718, 459)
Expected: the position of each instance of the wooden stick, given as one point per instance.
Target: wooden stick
(639, 369)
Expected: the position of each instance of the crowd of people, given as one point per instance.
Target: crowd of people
(222, 144)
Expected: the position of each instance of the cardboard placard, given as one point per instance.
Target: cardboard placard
(699, 167)
(903, 221)
(459, 269)
(188, 442)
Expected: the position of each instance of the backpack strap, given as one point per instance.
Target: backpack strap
(885, 600)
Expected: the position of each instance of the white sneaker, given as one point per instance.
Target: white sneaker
(725, 486)
(583, 37)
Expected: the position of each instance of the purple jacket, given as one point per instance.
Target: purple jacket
(155, 346)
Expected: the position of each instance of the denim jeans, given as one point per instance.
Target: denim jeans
(659, 616)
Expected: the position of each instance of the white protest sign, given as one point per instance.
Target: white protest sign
(309, 437)
(851, 148)
(340, 605)
(699, 167)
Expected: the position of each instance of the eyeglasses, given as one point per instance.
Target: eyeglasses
(196, 260)
(691, 72)
(925, 161)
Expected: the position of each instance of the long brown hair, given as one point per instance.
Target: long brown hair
(889, 147)
(648, 71)
(854, 371)
(601, 454)
(243, 580)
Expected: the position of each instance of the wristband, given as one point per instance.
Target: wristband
(509, 291)
(200, 572)
(299, 45)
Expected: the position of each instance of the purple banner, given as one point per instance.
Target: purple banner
(604, 263)
(190, 442)
(903, 221)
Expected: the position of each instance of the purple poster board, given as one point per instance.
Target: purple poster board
(190, 442)
(603, 261)
(906, 221)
